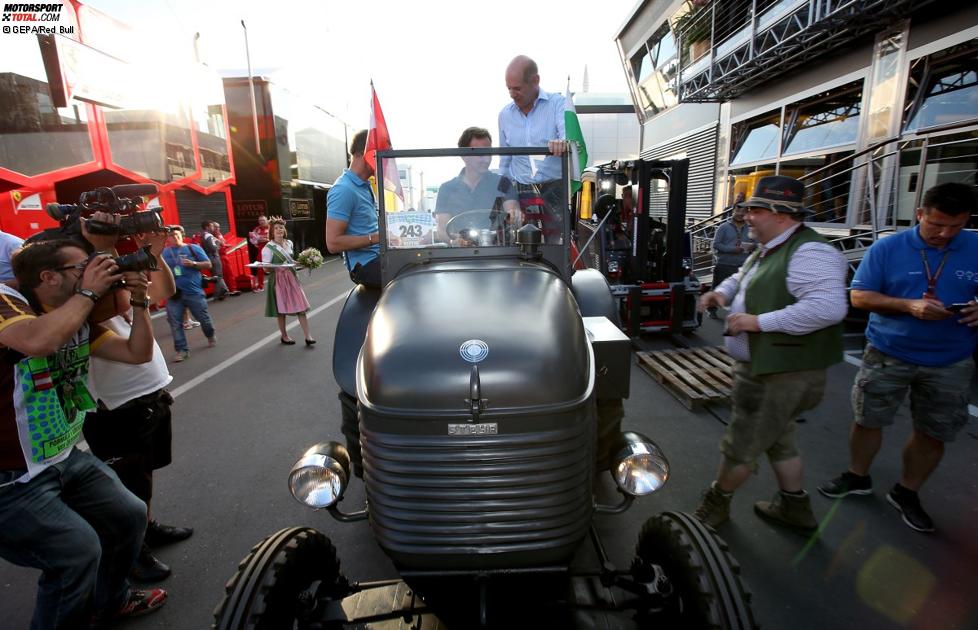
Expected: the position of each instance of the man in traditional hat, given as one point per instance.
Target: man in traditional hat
(783, 331)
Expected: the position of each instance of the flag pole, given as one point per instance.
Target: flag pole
(251, 88)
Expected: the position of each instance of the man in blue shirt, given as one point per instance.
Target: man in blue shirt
(534, 119)
(919, 286)
(351, 217)
(8, 245)
(186, 261)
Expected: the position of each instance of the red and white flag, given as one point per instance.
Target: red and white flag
(379, 139)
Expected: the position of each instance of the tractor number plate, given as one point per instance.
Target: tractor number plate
(482, 428)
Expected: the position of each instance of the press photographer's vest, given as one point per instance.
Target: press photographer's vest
(774, 352)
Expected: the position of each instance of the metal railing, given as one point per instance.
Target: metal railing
(748, 42)
(884, 184)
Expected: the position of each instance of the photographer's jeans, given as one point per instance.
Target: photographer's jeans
(77, 523)
(174, 315)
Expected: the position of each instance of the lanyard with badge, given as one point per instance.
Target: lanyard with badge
(932, 279)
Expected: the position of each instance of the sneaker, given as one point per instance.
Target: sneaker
(158, 534)
(181, 355)
(907, 502)
(847, 483)
(191, 324)
(212, 342)
(141, 602)
(148, 568)
(714, 508)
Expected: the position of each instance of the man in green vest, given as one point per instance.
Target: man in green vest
(786, 304)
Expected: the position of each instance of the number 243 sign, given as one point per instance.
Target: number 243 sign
(410, 229)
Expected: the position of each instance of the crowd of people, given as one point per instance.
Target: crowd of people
(85, 520)
(81, 361)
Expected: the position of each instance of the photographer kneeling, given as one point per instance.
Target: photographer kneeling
(62, 510)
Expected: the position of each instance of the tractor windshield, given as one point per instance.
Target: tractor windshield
(467, 200)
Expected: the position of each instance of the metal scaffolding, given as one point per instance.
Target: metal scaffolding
(753, 41)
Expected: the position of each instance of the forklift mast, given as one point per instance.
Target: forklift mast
(651, 278)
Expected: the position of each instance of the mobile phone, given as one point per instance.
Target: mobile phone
(957, 306)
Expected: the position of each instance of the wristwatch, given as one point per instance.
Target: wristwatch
(143, 303)
(91, 295)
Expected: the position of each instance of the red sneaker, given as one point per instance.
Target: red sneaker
(141, 602)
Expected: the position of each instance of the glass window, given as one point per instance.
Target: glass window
(946, 89)
(642, 65)
(756, 139)
(952, 158)
(312, 142)
(473, 206)
(827, 179)
(35, 136)
(657, 71)
(152, 142)
(884, 85)
(208, 119)
(830, 122)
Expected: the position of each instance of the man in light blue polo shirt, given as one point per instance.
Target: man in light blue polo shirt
(351, 217)
(534, 118)
(8, 245)
(919, 286)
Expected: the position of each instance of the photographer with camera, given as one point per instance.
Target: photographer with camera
(186, 261)
(61, 509)
(131, 429)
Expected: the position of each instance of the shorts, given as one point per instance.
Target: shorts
(764, 412)
(938, 395)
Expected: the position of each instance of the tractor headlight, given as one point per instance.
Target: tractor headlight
(321, 475)
(639, 466)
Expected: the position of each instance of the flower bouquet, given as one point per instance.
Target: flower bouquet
(310, 258)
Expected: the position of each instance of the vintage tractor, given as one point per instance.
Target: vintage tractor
(482, 398)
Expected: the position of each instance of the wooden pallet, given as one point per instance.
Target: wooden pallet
(693, 375)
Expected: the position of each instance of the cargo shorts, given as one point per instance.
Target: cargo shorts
(764, 412)
(938, 395)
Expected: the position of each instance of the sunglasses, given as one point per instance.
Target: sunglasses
(78, 266)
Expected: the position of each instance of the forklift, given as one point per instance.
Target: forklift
(631, 226)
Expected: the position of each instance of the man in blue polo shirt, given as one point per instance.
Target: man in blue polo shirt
(351, 217)
(475, 188)
(919, 286)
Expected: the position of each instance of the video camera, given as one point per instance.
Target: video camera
(123, 199)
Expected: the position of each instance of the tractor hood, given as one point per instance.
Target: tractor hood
(517, 323)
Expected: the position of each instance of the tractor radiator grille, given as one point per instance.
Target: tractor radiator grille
(523, 495)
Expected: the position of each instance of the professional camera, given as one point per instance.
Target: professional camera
(123, 199)
(139, 260)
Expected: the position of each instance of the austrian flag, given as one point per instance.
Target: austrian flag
(379, 139)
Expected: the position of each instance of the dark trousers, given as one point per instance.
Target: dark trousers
(134, 440)
(367, 275)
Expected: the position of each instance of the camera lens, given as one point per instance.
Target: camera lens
(139, 260)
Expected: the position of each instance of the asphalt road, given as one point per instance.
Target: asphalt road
(246, 410)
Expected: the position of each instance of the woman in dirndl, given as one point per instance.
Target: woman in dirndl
(283, 294)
